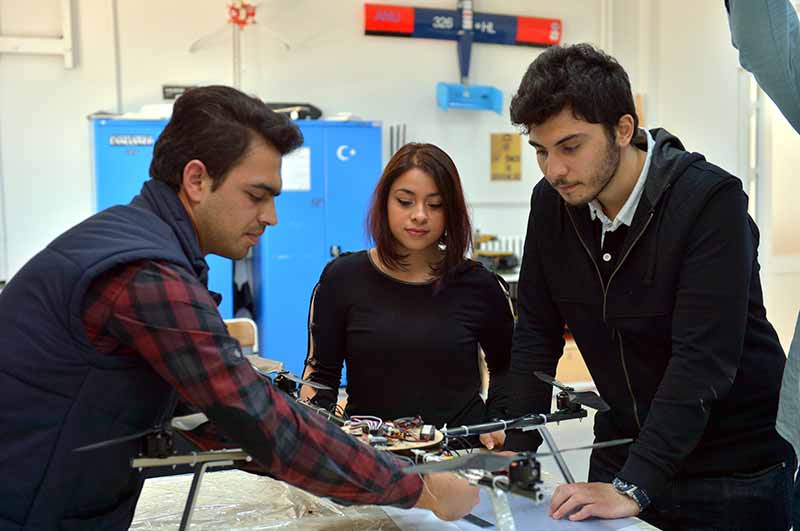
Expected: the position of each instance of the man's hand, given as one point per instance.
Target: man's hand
(493, 440)
(447, 495)
(600, 500)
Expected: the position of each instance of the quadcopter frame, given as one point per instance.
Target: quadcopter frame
(523, 472)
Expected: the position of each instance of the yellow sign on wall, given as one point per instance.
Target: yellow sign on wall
(506, 161)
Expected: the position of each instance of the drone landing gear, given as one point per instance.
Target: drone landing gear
(188, 508)
(504, 520)
(202, 461)
(562, 464)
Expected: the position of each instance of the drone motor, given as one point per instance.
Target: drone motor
(564, 402)
(525, 474)
(159, 445)
(427, 432)
(285, 384)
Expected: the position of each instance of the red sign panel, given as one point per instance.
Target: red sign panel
(541, 31)
(385, 19)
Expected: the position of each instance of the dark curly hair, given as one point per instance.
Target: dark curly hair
(215, 125)
(581, 77)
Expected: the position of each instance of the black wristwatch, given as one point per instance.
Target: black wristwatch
(632, 491)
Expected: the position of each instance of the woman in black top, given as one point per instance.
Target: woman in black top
(408, 315)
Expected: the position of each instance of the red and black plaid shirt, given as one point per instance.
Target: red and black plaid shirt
(163, 313)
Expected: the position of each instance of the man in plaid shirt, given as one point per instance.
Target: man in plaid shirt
(124, 319)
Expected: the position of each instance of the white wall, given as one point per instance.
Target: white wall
(679, 57)
(781, 242)
(44, 149)
(677, 53)
(43, 128)
(695, 86)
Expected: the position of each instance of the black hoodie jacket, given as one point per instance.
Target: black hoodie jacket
(677, 341)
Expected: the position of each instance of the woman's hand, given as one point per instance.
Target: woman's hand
(493, 440)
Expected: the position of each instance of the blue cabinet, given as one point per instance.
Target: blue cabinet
(328, 184)
(122, 150)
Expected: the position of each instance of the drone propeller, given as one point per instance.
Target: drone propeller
(296, 379)
(589, 399)
(264, 364)
(492, 462)
(119, 440)
(546, 378)
(604, 444)
(189, 422)
(584, 398)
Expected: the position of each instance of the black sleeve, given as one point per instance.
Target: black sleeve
(495, 340)
(708, 327)
(326, 339)
(538, 341)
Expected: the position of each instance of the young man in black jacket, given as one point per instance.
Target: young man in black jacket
(647, 253)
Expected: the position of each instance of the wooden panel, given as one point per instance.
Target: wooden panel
(244, 330)
(571, 367)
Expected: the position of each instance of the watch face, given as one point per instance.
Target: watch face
(632, 491)
(622, 486)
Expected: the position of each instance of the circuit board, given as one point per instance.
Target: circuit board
(396, 436)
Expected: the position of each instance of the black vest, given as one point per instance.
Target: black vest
(58, 393)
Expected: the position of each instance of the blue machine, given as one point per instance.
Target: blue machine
(122, 149)
(327, 184)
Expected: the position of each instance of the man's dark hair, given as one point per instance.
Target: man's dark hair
(458, 232)
(216, 125)
(581, 77)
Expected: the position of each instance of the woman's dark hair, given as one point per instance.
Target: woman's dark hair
(216, 125)
(581, 77)
(458, 231)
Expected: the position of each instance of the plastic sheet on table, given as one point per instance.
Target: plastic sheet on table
(237, 501)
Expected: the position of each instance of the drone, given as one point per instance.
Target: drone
(158, 442)
(520, 473)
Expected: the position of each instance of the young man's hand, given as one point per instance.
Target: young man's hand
(600, 500)
(448, 496)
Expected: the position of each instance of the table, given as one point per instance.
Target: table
(237, 501)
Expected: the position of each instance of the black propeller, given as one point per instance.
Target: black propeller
(296, 379)
(488, 461)
(584, 398)
(492, 462)
(604, 444)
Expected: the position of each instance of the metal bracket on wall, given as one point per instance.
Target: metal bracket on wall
(46, 45)
(397, 138)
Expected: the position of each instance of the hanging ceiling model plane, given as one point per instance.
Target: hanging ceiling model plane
(465, 26)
